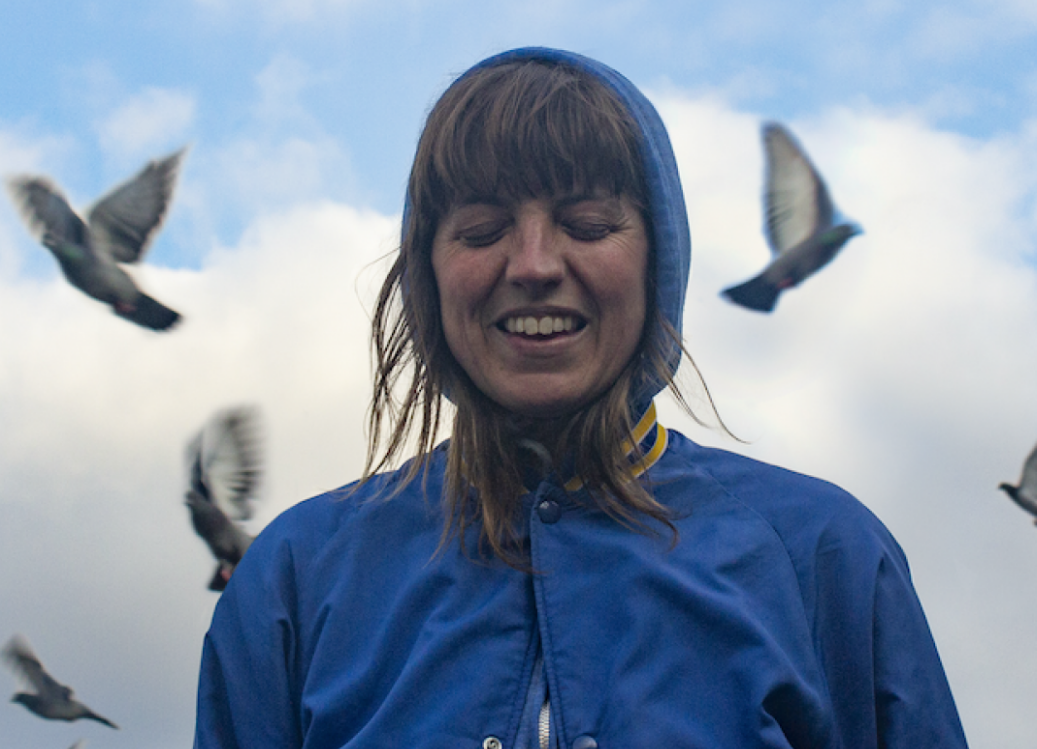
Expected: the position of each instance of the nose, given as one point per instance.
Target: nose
(535, 259)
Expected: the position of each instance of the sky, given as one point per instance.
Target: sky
(903, 371)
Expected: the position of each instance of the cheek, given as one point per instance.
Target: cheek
(627, 281)
(449, 284)
(447, 297)
(465, 281)
(630, 300)
(453, 280)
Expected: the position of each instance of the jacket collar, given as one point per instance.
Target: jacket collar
(649, 435)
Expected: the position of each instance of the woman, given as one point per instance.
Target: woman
(564, 572)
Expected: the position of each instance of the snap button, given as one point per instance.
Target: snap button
(492, 742)
(549, 511)
(585, 742)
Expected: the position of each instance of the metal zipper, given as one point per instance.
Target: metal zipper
(544, 725)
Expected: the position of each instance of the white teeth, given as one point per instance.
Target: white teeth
(531, 326)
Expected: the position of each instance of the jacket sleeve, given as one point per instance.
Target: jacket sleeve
(913, 702)
(884, 674)
(246, 693)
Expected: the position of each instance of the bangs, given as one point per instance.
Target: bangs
(528, 130)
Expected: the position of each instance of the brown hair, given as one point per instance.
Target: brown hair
(516, 130)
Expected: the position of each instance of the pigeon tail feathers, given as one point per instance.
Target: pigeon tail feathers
(90, 715)
(757, 294)
(221, 577)
(150, 314)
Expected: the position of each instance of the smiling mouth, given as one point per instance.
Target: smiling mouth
(543, 326)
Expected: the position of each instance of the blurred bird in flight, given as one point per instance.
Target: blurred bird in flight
(803, 227)
(117, 230)
(51, 699)
(224, 463)
(1025, 494)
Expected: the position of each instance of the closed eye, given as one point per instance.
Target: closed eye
(591, 219)
(589, 231)
(483, 234)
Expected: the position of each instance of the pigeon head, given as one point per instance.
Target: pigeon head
(61, 248)
(841, 233)
(1011, 491)
(194, 498)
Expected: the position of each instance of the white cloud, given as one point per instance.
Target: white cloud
(280, 85)
(284, 158)
(256, 175)
(153, 119)
(903, 371)
(96, 413)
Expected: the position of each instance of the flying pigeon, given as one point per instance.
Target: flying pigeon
(224, 471)
(803, 227)
(1025, 494)
(117, 230)
(51, 700)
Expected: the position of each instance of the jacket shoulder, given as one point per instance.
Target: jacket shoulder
(382, 507)
(809, 515)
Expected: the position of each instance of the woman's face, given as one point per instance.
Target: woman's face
(543, 301)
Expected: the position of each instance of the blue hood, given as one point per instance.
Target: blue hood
(670, 234)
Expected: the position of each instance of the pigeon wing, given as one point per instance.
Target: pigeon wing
(224, 538)
(46, 210)
(23, 661)
(124, 221)
(796, 201)
(1028, 482)
(232, 460)
(195, 471)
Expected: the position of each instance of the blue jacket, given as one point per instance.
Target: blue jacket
(783, 617)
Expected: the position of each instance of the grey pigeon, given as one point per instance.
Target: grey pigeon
(1025, 494)
(224, 471)
(117, 230)
(803, 227)
(50, 699)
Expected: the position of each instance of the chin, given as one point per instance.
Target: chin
(552, 408)
(544, 398)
